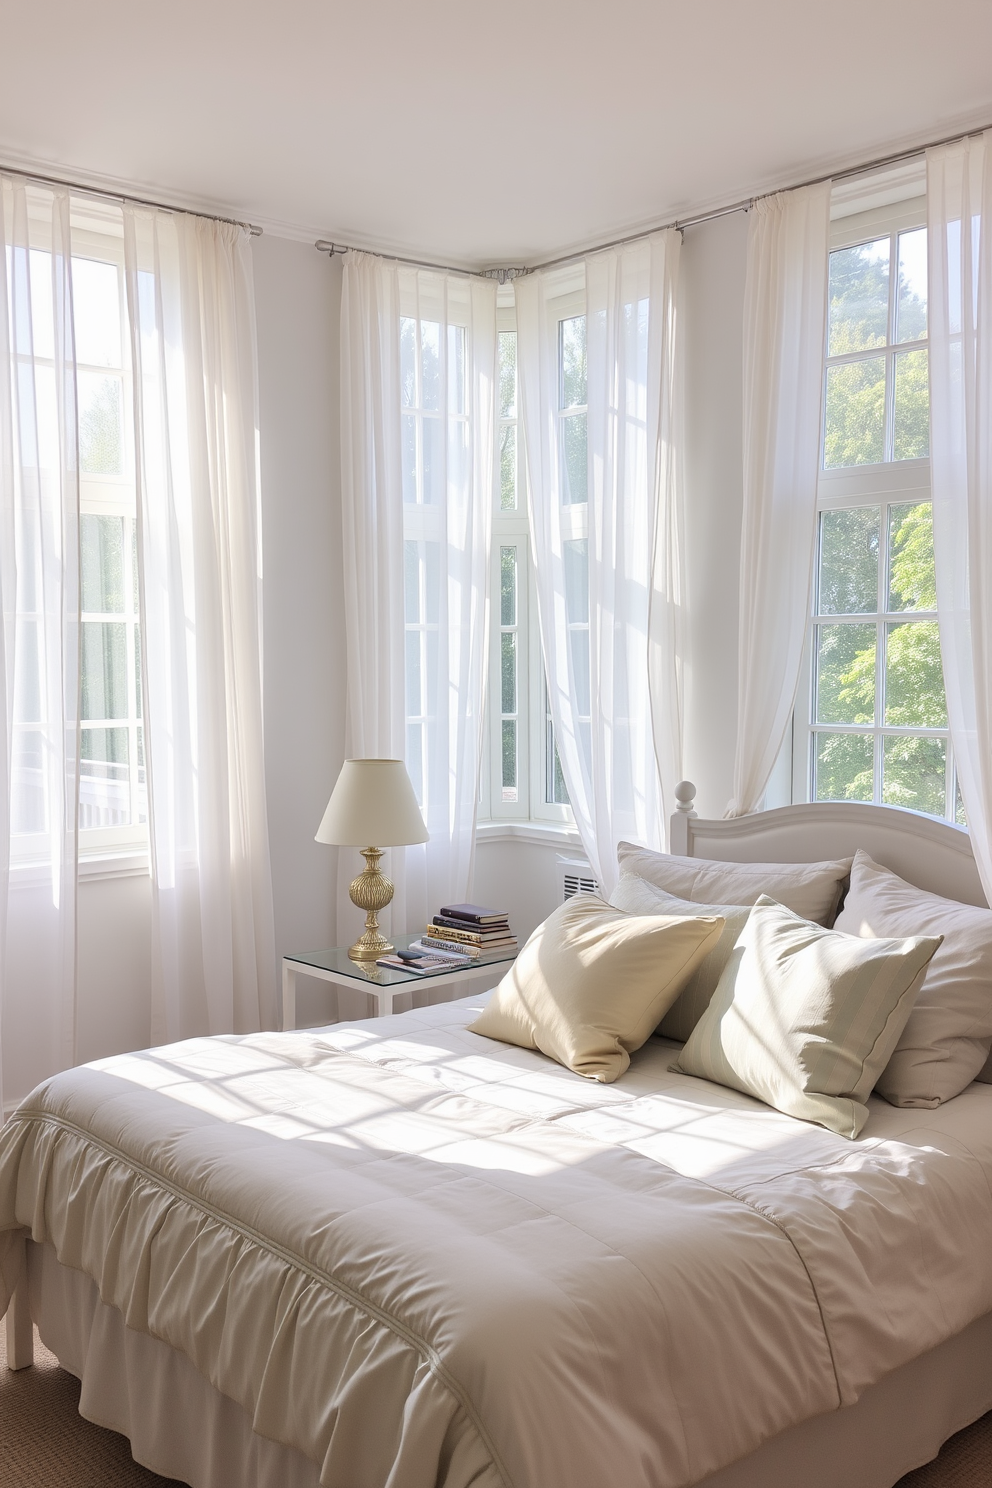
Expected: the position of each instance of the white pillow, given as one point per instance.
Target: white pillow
(806, 1018)
(946, 1042)
(637, 896)
(591, 983)
(809, 889)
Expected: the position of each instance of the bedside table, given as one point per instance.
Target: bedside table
(381, 982)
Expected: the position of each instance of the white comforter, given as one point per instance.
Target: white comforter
(424, 1258)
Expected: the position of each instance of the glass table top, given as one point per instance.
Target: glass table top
(338, 960)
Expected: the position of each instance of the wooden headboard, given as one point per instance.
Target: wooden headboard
(931, 854)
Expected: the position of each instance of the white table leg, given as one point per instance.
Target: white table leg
(20, 1329)
(288, 996)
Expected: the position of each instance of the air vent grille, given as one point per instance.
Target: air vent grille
(574, 884)
(575, 876)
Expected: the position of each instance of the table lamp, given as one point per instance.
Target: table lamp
(373, 801)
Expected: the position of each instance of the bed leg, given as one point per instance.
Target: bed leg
(20, 1328)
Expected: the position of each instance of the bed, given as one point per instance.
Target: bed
(396, 1253)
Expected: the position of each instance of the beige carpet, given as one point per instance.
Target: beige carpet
(45, 1443)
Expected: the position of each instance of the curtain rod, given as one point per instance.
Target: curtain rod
(504, 275)
(122, 196)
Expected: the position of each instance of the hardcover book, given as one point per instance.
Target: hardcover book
(476, 913)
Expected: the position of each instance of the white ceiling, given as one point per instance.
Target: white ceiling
(479, 134)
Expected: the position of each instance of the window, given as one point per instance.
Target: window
(113, 809)
(522, 776)
(872, 725)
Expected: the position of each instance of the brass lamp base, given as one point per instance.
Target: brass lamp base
(370, 891)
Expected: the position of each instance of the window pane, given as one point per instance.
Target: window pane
(575, 557)
(433, 472)
(911, 308)
(507, 586)
(912, 581)
(859, 297)
(508, 374)
(855, 422)
(959, 816)
(101, 557)
(574, 459)
(573, 362)
(414, 696)
(104, 670)
(914, 774)
(409, 456)
(411, 583)
(555, 792)
(104, 789)
(911, 434)
(27, 807)
(845, 673)
(508, 672)
(579, 649)
(101, 403)
(509, 743)
(508, 467)
(408, 362)
(843, 767)
(96, 312)
(430, 364)
(456, 369)
(849, 561)
(914, 679)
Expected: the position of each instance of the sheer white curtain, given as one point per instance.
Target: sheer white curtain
(785, 319)
(191, 310)
(959, 212)
(418, 359)
(605, 523)
(39, 655)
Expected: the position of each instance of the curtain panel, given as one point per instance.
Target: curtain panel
(40, 637)
(785, 320)
(418, 368)
(600, 410)
(191, 311)
(959, 219)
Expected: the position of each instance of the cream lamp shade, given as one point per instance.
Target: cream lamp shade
(371, 807)
(372, 804)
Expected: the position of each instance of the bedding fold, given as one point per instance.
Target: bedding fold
(423, 1259)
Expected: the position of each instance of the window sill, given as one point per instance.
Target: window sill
(544, 834)
(92, 868)
(129, 863)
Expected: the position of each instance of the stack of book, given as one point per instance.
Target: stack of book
(469, 931)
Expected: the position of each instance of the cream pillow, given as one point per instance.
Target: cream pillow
(592, 983)
(985, 1074)
(637, 896)
(946, 1041)
(809, 889)
(806, 1018)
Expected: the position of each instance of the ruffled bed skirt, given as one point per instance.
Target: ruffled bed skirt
(181, 1427)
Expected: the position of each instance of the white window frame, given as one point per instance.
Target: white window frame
(888, 483)
(512, 529)
(106, 495)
